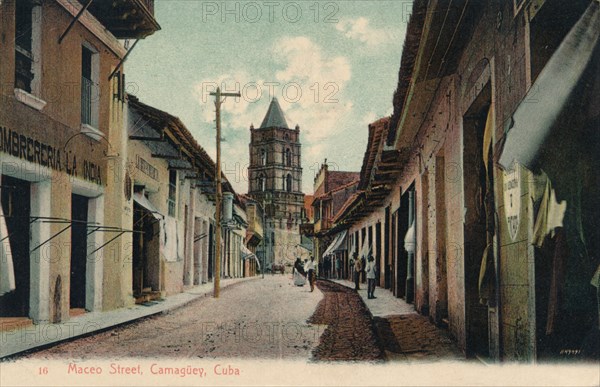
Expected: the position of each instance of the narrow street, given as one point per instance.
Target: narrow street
(268, 319)
(255, 319)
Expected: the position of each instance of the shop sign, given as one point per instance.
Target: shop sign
(512, 199)
(34, 151)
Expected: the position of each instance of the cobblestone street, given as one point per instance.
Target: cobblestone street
(350, 334)
(255, 319)
(269, 319)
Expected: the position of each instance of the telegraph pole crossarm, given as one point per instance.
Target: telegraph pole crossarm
(219, 195)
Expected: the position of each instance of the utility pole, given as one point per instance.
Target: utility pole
(219, 197)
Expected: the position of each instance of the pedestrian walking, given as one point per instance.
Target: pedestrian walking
(363, 274)
(371, 275)
(357, 271)
(310, 270)
(299, 275)
(338, 267)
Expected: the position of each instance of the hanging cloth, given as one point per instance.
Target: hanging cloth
(7, 270)
(409, 239)
(550, 216)
(488, 134)
(487, 272)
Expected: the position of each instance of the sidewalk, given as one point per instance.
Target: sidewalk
(20, 339)
(384, 305)
(405, 334)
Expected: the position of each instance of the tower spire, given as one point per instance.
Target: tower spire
(274, 117)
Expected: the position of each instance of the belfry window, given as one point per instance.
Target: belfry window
(288, 157)
(263, 157)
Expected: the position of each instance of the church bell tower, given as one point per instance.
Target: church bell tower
(275, 180)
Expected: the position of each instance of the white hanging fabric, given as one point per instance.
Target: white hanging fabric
(7, 269)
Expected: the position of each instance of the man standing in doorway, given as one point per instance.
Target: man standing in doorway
(357, 271)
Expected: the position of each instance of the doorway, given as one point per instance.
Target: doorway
(79, 219)
(146, 284)
(211, 251)
(386, 249)
(377, 251)
(478, 192)
(401, 253)
(16, 207)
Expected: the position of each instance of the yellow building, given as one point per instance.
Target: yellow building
(65, 224)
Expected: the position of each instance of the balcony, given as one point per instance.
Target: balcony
(307, 229)
(125, 19)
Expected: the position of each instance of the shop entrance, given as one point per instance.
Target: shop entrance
(146, 255)
(386, 250)
(79, 218)
(401, 253)
(478, 191)
(211, 251)
(16, 208)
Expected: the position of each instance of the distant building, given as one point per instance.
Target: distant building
(275, 181)
(332, 190)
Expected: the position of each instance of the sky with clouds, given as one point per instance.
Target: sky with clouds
(333, 67)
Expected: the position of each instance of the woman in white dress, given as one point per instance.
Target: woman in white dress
(299, 278)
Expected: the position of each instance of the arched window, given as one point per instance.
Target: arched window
(263, 157)
(262, 182)
(288, 157)
(288, 183)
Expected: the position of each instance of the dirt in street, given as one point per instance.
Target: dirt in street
(259, 319)
(413, 337)
(349, 334)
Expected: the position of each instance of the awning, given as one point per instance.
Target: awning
(180, 164)
(533, 120)
(365, 251)
(245, 251)
(247, 254)
(337, 244)
(306, 243)
(142, 201)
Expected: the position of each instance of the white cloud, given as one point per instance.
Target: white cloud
(310, 87)
(360, 29)
(321, 78)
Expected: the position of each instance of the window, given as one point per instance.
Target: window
(89, 87)
(288, 183)
(172, 200)
(23, 46)
(548, 27)
(263, 157)
(262, 183)
(28, 65)
(288, 157)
